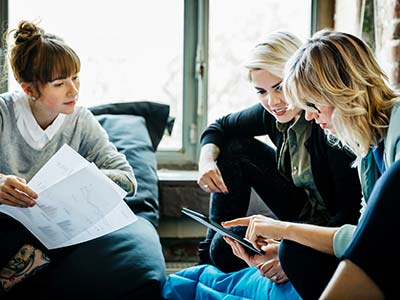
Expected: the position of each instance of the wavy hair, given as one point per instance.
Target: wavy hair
(338, 69)
(272, 53)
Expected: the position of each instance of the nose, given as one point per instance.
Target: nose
(310, 115)
(73, 88)
(273, 99)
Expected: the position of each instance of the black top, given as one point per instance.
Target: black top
(336, 181)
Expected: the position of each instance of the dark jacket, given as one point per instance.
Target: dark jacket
(336, 181)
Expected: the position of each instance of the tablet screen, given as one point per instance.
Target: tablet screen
(220, 229)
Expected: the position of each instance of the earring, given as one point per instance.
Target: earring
(33, 98)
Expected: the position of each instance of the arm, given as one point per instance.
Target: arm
(210, 177)
(97, 148)
(261, 227)
(250, 122)
(351, 282)
(13, 189)
(121, 179)
(337, 182)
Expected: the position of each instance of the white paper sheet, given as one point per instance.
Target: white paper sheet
(76, 203)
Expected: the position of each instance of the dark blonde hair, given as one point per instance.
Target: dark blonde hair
(39, 57)
(272, 53)
(338, 69)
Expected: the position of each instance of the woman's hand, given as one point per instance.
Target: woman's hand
(210, 178)
(273, 271)
(259, 228)
(268, 264)
(15, 192)
(239, 251)
(272, 268)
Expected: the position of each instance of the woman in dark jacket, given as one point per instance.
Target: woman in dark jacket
(301, 177)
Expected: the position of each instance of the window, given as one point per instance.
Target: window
(128, 52)
(185, 53)
(233, 32)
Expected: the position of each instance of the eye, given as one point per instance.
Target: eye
(75, 78)
(58, 83)
(261, 91)
(314, 107)
(278, 88)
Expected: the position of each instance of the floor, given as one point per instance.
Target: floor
(180, 252)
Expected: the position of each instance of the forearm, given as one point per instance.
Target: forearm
(316, 237)
(120, 178)
(209, 152)
(259, 226)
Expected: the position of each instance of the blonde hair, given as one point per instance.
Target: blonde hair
(339, 70)
(272, 53)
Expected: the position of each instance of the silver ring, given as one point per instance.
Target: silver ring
(274, 278)
(205, 186)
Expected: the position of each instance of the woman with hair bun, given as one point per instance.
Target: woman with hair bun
(34, 124)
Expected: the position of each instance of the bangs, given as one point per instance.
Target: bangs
(57, 61)
(309, 82)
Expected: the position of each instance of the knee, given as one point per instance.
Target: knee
(289, 253)
(231, 148)
(221, 253)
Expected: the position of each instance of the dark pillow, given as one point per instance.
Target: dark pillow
(136, 129)
(129, 134)
(156, 115)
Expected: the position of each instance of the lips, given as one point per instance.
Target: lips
(70, 102)
(280, 111)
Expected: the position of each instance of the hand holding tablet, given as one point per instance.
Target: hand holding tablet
(220, 229)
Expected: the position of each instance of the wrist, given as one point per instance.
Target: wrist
(285, 230)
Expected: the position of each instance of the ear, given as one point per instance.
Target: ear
(28, 88)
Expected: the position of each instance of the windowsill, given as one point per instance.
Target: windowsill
(175, 176)
(179, 188)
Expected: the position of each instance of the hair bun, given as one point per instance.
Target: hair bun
(27, 31)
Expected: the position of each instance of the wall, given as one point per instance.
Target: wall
(385, 19)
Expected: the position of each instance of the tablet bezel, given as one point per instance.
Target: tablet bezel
(220, 229)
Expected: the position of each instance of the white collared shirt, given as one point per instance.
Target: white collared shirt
(33, 134)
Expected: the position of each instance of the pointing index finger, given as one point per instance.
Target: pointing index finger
(237, 222)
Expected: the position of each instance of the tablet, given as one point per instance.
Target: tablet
(220, 229)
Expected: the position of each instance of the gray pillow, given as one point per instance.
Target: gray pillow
(130, 136)
(156, 116)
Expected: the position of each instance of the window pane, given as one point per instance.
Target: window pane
(233, 32)
(130, 50)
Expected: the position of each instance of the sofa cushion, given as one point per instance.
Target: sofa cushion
(156, 116)
(136, 129)
(129, 134)
(125, 264)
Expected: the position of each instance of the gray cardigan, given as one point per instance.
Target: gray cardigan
(80, 130)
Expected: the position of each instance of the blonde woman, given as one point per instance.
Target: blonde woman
(337, 80)
(304, 179)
